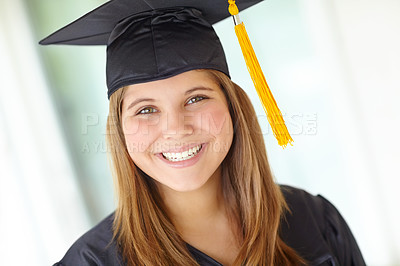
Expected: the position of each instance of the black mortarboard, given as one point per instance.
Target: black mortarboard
(148, 40)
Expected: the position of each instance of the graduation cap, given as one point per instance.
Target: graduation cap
(149, 40)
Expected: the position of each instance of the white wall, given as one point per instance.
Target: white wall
(41, 211)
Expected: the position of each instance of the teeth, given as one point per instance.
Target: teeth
(181, 156)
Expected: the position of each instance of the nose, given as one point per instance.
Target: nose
(177, 124)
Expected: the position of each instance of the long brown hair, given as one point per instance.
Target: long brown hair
(144, 232)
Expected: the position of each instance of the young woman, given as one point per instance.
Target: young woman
(193, 181)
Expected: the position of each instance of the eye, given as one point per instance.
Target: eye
(147, 110)
(196, 99)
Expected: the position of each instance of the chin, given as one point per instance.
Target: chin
(189, 186)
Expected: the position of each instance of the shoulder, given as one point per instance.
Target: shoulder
(317, 231)
(96, 247)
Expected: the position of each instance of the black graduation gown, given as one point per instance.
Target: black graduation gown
(314, 228)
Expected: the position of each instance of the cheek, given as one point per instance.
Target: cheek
(139, 134)
(216, 121)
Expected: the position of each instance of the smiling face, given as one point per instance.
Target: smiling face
(178, 130)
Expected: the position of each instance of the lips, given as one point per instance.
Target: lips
(184, 155)
(185, 161)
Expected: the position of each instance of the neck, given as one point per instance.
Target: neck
(185, 208)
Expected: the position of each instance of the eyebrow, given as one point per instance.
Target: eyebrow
(198, 89)
(135, 102)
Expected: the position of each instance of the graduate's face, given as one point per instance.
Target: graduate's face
(178, 130)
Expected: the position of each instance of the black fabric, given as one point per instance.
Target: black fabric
(317, 231)
(314, 228)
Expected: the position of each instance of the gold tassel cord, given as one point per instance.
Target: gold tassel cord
(274, 115)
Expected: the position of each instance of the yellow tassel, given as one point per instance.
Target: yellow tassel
(274, 115)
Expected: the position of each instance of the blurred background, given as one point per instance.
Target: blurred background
(333, 66)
